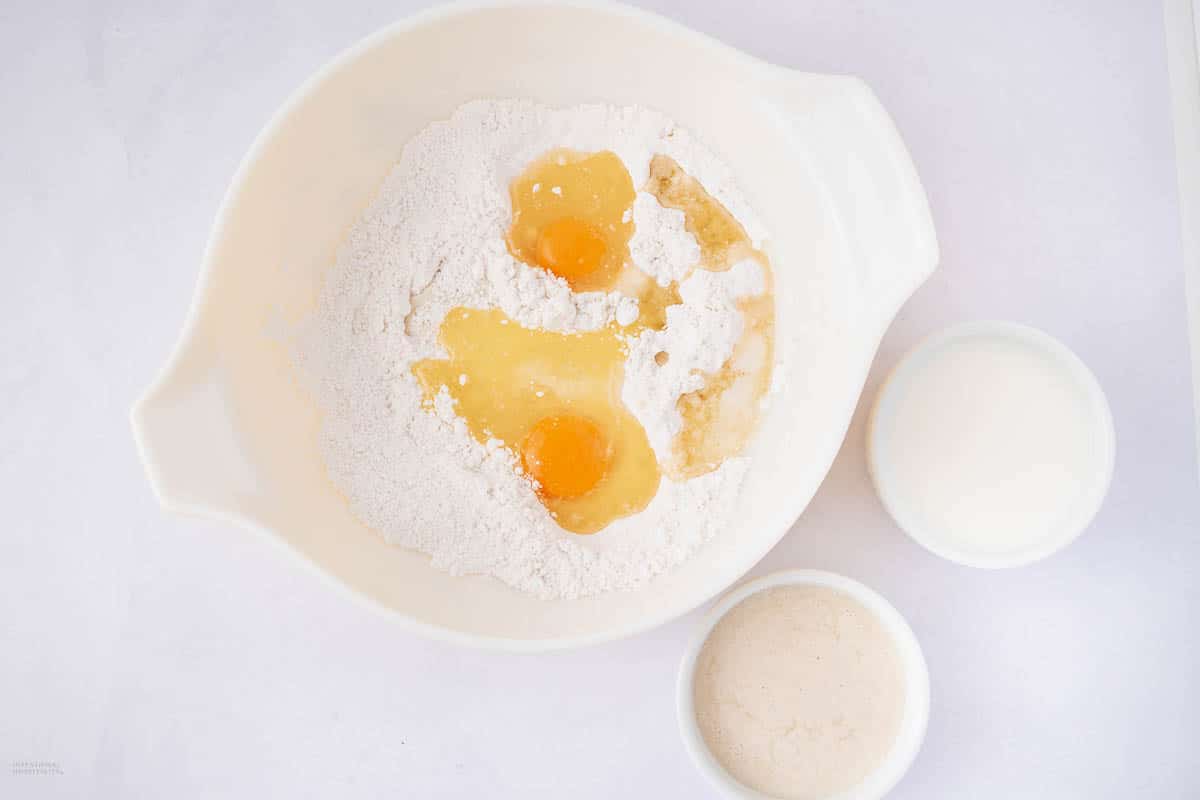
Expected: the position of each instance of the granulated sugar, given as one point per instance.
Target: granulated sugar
(432, 240)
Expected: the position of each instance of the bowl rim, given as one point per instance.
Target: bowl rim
(917, 688)
(1072, 367)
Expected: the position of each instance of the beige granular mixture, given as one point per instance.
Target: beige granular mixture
(799, 692)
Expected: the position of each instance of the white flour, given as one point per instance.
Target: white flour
(661, 247)
(699, 336)
(433, 239)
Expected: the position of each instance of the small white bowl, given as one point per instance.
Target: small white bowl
(1093, 409)
(916, 681)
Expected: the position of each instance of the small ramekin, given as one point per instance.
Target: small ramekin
(916, 681)
(1095, 407)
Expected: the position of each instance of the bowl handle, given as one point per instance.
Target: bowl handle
(186, 435)
(853, 148)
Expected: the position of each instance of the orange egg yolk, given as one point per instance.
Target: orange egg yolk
(567, 455)
(572, 215)
(554, 400)
(570, 248)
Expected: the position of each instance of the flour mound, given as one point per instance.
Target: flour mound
(432, 240)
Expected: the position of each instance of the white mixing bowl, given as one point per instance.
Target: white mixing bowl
(227, 431)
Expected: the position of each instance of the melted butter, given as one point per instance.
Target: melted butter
(720, 417)
(506, 379)
(653, 300)
(722, 239)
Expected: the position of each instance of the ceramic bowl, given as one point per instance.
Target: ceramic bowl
(1061, 528)
(227, 431)
(916, 681)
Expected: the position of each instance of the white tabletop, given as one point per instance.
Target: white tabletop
(144, 656)
(1182, 21)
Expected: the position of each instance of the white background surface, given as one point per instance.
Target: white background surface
(155, 657)
(1182, 21)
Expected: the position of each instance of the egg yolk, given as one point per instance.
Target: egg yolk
(567, 455)
(572, 215)
(553, 400)
(570, 248)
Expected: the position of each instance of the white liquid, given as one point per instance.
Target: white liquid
(989, 445)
